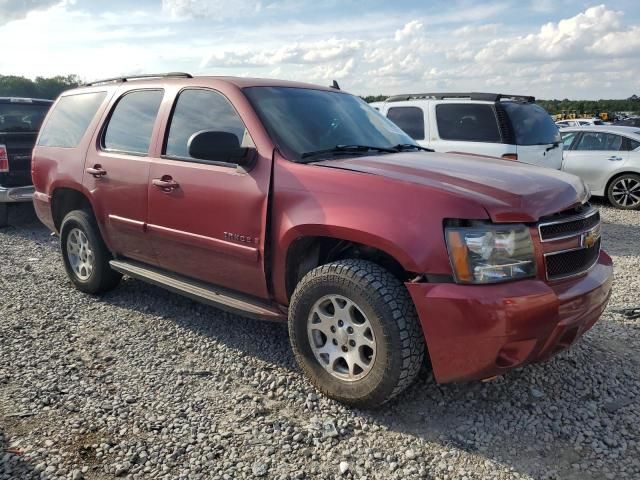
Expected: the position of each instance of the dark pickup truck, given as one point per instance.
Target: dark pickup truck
(20, 120)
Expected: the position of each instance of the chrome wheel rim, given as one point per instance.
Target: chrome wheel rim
(626, 192)
(80, 254)
(341, 338)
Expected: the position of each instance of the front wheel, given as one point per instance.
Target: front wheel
(85, 255)
(624, 192)
(355, 332)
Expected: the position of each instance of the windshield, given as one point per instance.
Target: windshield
(302, 120)
(21, 117)
(532, 124)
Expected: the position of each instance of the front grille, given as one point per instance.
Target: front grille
(572, 262)
(569, 227)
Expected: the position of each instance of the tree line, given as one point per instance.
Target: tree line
(41, 87)
(631, 104)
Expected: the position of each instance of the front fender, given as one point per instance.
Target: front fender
(402, 219)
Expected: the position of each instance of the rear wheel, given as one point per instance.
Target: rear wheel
(85, 255)
(624, 192)
(4, 214)
(355, 332)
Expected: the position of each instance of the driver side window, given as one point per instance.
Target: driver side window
(197, 110)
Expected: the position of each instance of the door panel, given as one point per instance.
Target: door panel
(549, 156)
(593, 157)
(120, 201)
(210, 227)
(207, 217)
(117, 173)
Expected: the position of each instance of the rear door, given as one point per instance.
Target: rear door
(470, 127)
(210, 223)
(117, 172)
(594, 156)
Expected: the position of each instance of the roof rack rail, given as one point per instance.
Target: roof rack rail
(138, 77)
(489, 97)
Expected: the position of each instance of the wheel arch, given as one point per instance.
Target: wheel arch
(65, 200)
(617, 175)
(305, 252)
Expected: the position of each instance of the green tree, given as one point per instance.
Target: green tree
(41, 87)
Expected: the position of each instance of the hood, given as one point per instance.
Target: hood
(509, 191)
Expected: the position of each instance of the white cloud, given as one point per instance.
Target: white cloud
(297, 54)
(210, 8)
(15, 9)
(618, 43)
(569, 38)
(410, 30)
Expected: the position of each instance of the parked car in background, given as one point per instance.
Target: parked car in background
(512, 127)
(20, 120)
(607, 158)
(579, 122)
(226, 190)
(628, 122)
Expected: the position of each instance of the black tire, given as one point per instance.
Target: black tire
(618, 185)
(384, 300)
(102, 278)
(4, 214)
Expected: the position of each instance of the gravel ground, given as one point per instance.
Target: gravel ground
(141, 383)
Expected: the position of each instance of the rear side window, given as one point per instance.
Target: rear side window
(197, 110)
(131, 123)
(599, 141)
(633, 144)
(532, 124)
(409, 119)
(467, 122)
(69, 119)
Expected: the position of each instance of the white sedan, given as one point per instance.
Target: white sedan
(607, 158)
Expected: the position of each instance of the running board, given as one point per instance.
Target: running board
(200, 291)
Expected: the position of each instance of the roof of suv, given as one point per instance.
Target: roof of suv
(480, 96)
(185, 78)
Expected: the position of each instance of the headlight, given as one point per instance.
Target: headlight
(490, 253)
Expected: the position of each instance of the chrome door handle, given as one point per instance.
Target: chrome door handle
(166, 183)
(614, 159)
(97, 171)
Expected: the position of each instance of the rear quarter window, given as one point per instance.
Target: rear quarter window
(532, 124)
(69, 119)
(467, 122)
(409, 119)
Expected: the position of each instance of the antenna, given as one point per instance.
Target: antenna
(335, 85)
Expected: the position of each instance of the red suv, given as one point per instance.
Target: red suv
(286, 201)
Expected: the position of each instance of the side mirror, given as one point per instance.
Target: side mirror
(219, 147)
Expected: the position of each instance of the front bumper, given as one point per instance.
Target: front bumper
(16, 194)
(479, 331)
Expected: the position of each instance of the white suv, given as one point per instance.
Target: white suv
(508, 126)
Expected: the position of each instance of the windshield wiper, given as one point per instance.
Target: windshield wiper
(403, 147)
(347, 149)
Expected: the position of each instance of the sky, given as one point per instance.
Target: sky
(547, 48)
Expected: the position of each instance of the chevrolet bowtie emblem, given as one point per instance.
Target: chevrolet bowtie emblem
(590, 238)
